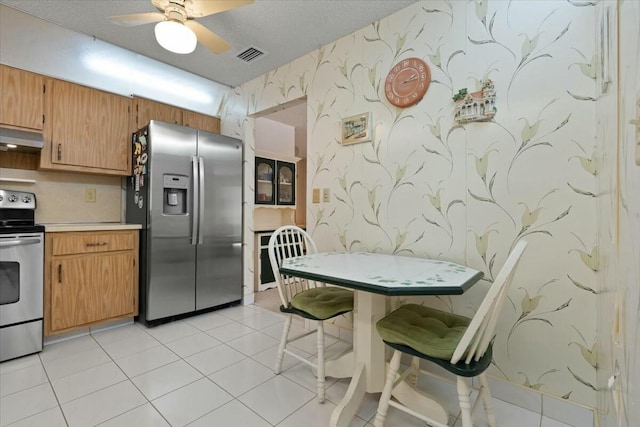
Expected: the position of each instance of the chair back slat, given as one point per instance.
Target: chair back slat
(479, 334)
(287, 242)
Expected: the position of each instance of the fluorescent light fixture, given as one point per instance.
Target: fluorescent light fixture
(149, 77)
(12, 146)
(175, 37)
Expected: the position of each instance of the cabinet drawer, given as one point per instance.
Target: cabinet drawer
(78, 243)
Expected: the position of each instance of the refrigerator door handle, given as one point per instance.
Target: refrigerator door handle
(201, 201)
(195, 197)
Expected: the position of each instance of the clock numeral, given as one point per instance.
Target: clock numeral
(405, 63)
(421, 86)
(423, 76)
(415, 95)
(421, 68)
(391, 77)
(406, 100)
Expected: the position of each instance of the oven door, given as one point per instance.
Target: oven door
(21, 277)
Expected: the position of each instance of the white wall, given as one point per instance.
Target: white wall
(274, 137)
(36, 45)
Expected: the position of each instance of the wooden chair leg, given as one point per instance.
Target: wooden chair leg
(465, 402)
(486, 400)
(320, 367)
(383, 404)
(283, 344)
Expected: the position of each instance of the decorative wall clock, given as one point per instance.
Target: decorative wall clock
(407, 82)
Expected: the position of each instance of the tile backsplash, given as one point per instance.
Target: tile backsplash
(61, 196)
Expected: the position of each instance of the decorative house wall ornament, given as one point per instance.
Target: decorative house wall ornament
(478, 106)
(357, 129)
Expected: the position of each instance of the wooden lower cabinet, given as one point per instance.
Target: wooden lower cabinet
(90, 277)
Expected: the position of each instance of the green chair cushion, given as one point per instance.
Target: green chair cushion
(429, 331)
(324, 302)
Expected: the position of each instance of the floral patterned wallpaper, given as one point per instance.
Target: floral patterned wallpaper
(428, 187)
(619, 225)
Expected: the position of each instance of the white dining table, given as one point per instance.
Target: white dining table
(373, 277)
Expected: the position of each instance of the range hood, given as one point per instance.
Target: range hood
(20, 140)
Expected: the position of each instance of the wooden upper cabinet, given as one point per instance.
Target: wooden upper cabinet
(21, 98)
(201, 121)
(88, 130)
(146, 110)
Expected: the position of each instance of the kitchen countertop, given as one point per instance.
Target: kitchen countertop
(89, 226)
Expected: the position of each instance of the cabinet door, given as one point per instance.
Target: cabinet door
(200, 121)
(88, 288)
(21, 98)
(147, 110)
(265, 171)
(90, 127)
(286, 183)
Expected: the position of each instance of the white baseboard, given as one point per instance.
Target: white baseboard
(565, 411)
(54, 339)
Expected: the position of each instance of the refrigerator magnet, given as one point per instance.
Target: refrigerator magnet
(143, 140)
(135, 198)
(138, 149)
(143, 158)
(140, 202)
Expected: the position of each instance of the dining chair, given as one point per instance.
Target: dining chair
(460, 345)
(305, 298)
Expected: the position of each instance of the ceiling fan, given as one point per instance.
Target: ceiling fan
(176, 29)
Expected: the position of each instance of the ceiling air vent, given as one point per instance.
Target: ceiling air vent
(250, 54)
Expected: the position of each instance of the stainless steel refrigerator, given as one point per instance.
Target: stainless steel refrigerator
(186, 192)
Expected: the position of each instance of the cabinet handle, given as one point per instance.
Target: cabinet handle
(97, 244)
(59, 152)
(59, 273)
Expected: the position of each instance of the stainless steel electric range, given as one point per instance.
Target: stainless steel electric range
(21, 275)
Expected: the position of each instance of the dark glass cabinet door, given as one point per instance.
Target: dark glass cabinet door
(286, 183)
(265, 181)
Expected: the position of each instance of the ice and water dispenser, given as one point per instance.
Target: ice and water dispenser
(175, 188)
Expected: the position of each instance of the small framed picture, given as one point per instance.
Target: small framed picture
(357, 129)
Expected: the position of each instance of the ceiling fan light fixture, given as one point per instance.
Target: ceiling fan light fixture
(175, 37)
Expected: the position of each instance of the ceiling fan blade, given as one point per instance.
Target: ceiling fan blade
(136, 19)
(212, 41)
(200, 8)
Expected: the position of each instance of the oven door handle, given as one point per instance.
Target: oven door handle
(19, 242)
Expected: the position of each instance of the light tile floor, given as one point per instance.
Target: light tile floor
(211, 370)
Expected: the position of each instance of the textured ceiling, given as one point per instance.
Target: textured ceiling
(284, 29)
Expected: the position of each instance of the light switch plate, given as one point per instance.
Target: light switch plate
(316, 195)
(326, 195)
(90, 195)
